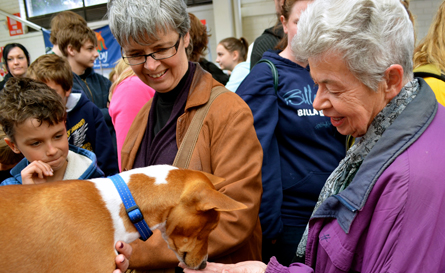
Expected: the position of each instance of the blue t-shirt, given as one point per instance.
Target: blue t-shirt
(238, 74)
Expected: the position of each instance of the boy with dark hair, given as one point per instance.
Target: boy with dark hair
(33, 118)
(78, 44)
(85, 125)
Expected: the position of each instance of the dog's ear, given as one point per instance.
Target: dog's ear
(213, 199)
(214, 179)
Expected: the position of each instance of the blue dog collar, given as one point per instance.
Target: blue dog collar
(133, 211)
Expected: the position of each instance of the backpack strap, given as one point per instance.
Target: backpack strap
(185, 151)
(427, 74)
(274, 72)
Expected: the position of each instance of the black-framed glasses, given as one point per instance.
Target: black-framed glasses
(158, 55)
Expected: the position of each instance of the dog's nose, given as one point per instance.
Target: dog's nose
(202, 265)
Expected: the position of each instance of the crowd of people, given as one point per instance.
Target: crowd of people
(277, 128)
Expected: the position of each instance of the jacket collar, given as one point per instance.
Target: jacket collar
(404, 131)
(200, 88)
(92, 171)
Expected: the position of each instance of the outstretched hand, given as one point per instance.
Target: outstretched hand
(242, 267)
(122, 260)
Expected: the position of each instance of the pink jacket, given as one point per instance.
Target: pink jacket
(128, 98)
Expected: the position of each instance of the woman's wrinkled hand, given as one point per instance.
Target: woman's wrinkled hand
(242, 267)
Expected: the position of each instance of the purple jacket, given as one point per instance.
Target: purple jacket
(391, 218)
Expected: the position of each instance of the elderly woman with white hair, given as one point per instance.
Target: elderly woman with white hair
(382, 209)
(154, 36)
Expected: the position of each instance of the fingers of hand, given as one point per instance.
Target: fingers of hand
(124, 249)
(122, 260)
(36, 172)
(210, 268)
(121, 263)
(45, 168)
(38, 169)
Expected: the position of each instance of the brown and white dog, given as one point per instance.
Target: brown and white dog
(72, 226)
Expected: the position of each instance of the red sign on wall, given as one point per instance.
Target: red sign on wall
(2, 70)
(15, 27)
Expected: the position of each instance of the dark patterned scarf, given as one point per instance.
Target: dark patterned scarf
(342, 176)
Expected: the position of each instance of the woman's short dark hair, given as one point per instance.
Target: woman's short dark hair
(8, 48)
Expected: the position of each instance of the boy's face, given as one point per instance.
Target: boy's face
(42, 142)
(59, 90)
(86, 56)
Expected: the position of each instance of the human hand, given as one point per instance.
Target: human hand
(242, 267)
(122, 260)
(36, 173)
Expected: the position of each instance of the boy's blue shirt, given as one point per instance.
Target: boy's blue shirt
(86, 128)
(93, 171)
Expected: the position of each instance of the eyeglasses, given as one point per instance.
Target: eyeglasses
(158, 55)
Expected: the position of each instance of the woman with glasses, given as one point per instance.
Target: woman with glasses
(154, 36)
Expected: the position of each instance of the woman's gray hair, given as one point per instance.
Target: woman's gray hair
(143, 20)
(370, 35)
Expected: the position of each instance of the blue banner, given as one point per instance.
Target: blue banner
(107, 46)
(48, 44)
(109, 49)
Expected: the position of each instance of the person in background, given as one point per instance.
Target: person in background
(128, 95)
(300, 146)
(33, 118)
(112, 77)
(16, 61)
(269, 38)
(382, 208)
(154, 36)
(86, 127)
(429, 56)
(8, 159)
(199, 38)
(231, 55)
(78, 44)
(405, 4)
(62, 20)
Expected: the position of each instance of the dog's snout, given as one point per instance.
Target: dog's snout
(203, 265)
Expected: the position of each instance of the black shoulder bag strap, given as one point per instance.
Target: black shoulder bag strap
(274, 73)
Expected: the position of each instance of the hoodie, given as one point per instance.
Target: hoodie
(86, 129)
(96, 87)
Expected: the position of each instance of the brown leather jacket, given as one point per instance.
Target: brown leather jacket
(227, 147)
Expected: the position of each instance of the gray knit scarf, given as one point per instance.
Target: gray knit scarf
(342, 176)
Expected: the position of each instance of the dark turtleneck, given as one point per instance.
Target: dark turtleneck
(165, 102)
(159, 145)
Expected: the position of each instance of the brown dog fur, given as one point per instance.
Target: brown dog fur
(65, 226)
